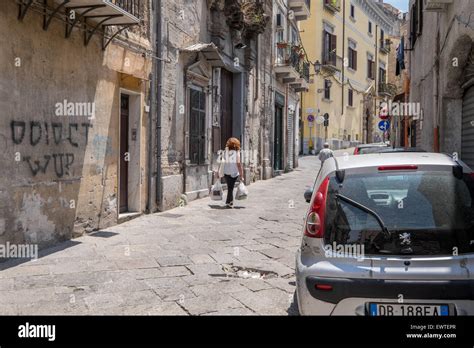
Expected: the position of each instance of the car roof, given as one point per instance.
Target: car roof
(388, 158)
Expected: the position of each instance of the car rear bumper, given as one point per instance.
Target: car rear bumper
(390, 289)
(350, 296)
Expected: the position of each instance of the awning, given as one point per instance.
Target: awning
(208, 50)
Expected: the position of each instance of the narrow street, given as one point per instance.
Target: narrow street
(195, 260)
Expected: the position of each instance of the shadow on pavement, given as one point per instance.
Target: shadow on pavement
(293, 308)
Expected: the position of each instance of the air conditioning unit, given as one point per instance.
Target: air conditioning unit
(437, 5)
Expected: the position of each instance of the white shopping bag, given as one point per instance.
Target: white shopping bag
(216, 191)
(242, 192)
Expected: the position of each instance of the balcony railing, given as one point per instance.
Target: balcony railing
(130, 6)
(385, 45)
(305, 71)
(387, 89)
(333, 5)
(293, 58)
(331, 61)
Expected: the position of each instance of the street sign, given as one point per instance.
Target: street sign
(310, 118)
(310, 124)
(309, 110)
(319, 120)
(384, 125)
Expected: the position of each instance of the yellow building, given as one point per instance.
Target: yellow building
(345, 40)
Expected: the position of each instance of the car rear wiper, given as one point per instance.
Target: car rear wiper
(362, 207)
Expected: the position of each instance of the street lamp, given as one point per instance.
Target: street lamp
(317, 67)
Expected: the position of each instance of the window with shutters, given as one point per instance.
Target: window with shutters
(329, 46)
(370, 28)
(197, 125)
(351, 97)
(370, 67)
(416, 23)
(327, 90)
(352, 55)
(352, 11)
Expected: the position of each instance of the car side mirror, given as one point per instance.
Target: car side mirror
(308, 194)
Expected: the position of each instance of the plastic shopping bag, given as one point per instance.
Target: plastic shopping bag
(216, 191)
(242, 192)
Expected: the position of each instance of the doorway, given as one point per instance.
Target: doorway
(278, 139)
(227, 116)
(124, 153)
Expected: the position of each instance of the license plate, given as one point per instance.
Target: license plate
(396, 309)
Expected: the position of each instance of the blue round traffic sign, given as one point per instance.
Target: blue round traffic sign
(384, 125)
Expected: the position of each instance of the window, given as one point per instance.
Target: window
(352, 55)
(370, 27)
(329, 46)
(327, 89)
(416, 23)
(432, 207)
(370, 67)
(352, 11)
(382, 75)
(197, 125)
(351, 97)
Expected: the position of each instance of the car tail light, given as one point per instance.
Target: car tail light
(404, 167)
(323, 287)
(315, 220)
(356, 151)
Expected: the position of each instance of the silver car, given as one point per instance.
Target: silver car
(389, 234)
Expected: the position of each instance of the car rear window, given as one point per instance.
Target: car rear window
(426, 213)
(375, 149)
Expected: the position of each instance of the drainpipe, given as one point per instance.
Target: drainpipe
(158, 79)
(151, 111)
(343, 66)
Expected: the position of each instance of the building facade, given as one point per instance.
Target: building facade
(73, 90)
(224, 76)
(441, 72)
(348, 45)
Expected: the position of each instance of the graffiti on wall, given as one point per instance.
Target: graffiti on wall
(35, 133)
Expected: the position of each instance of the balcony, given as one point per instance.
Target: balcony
(93, 15)
(301, 9)
(437, 5)
(302, 84)
(332, 5)
(385, 46)
(331, 62)
(290, 66)
(387, 89)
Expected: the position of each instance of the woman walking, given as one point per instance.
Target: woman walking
(232, 169)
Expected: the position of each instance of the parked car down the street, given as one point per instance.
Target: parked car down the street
(389, 235)
(363, 149)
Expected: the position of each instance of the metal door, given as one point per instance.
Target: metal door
(467, 140)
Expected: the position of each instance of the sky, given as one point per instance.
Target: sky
(402, 5)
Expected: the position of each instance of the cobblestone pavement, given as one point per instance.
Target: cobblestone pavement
(195, 260)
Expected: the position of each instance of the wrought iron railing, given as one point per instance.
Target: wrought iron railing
(333, 5)
(130, 6)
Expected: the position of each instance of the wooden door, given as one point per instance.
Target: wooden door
(124, 155)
